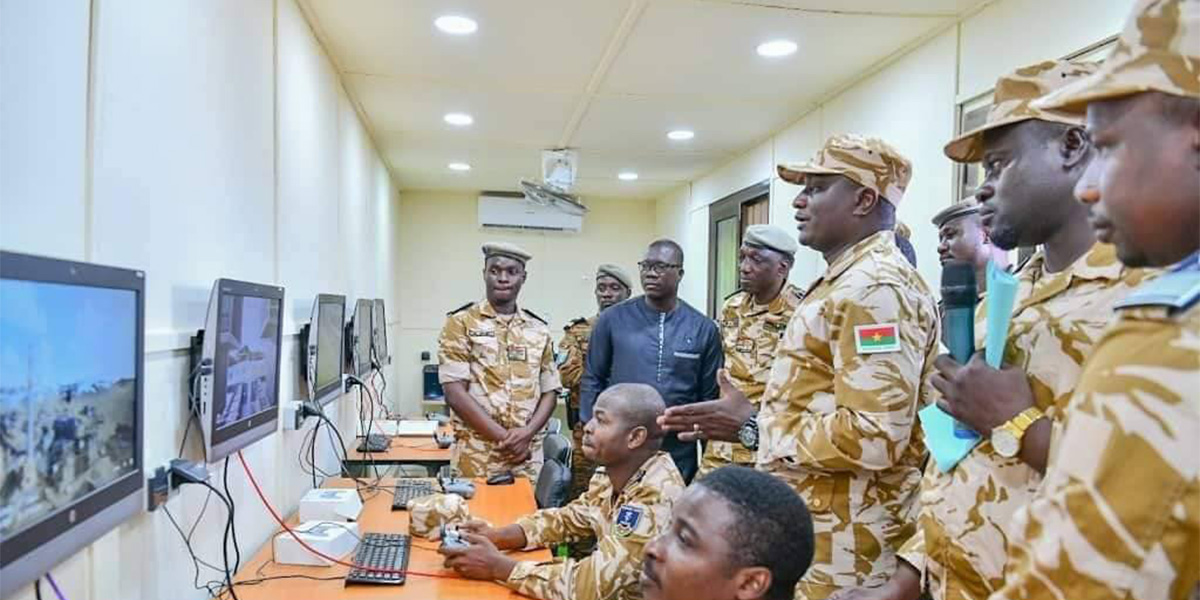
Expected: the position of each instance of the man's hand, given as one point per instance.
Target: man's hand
(905, 584)
(976, 394)
(480, 560)
(712, 420)
(514, 447)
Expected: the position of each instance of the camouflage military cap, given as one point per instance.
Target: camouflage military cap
(771, 236)
(867, 161)
(428, 513)
(956, 211)
(1158, 51)
(506, 250)
(1012, 103)
(608, 270)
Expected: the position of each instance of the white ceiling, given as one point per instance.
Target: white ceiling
(608, 77)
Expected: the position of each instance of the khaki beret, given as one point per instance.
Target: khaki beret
(506, 250)
(955, 211)
(427, 514)
(867, 161)
(609, 270)
(771, 236)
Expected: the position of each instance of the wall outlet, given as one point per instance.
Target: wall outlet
(158, 488)
(290, 413)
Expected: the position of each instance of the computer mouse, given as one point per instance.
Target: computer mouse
(505, 478)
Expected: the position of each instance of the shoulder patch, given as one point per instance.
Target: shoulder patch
(461, 308)
(1178, 290)
(628, 518)
(877, 339)
(535, 316)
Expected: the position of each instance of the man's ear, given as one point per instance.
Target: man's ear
(1075, 147)
(637, 437)
(865, 201)
(752, 583)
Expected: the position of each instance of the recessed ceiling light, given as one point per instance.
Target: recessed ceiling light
(458, 119)
(456, 25)
(681, 134)
(777, 48)
(627, 176)
(457, 166)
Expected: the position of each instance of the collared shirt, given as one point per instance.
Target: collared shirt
(574, 345)
(750, 333)
(621, 523)
(1118, 513)
(507, 362)
(965, 513)
(677, 352)
(839, 415)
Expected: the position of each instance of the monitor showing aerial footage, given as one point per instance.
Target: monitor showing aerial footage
(246, 359)
(329, 343)
(68, 396)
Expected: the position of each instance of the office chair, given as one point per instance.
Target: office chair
(553, 484)
(558, 447)
(554, 425)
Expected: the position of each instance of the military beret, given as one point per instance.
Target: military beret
(771, 236)
(609, 270)
(506, 250)
(955, 211)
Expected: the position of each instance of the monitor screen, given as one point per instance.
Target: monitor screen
(379, 333)
(362, 336)
(330, 313)
(247, 360)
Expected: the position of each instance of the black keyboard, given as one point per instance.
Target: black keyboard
(374, 442)
(407, 489)
(388, 551)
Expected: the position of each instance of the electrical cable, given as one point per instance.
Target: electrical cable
(37, 588)
(237, 551)
(54, 584)
(225, 537)
(279, 520)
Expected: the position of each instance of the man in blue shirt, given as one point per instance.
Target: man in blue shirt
(660, 340)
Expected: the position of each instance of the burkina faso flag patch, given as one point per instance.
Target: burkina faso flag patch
(873, 339)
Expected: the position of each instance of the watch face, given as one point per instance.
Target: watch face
(748, 436)
(1005, 443)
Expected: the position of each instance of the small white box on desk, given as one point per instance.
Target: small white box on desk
(333, 539)
(330, 505)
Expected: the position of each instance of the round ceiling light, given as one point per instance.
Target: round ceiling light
(680, 135)
(458, 119)
(627, 176)
(458, 166)
(456, 25)
(776, 48)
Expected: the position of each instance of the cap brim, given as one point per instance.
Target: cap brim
(968, 147)
(1075, 97)
(796, 173)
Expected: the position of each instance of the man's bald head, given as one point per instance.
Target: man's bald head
(635, 405)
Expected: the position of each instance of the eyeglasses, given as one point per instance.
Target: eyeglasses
(658, 268)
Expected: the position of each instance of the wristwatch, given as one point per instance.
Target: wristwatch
(748, 433)
(1006, 439)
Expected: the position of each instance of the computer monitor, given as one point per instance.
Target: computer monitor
(71, 376)
(360, 338)
(239, 395)
(379, 333)
(324, 346)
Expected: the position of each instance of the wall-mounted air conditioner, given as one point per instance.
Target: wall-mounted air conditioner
(513, 210)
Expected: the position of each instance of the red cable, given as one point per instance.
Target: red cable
(316, 552)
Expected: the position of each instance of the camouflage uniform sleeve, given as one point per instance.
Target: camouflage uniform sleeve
(913, 552)
(611, 571)
(571, 371)
(875, 394)
(454, 352)
(1122, 491)
(549, 380)
(569, 523)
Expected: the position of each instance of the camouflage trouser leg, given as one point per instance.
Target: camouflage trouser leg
(474, 458)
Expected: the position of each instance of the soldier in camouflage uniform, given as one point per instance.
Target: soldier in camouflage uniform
(752, 323)
(1064, 298)
(496, 365)
(613, 285)
(1118, 512)
(838, 417)
(627, 504)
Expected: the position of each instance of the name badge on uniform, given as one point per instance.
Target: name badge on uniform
(877, 339)
(516, 353)
(480, 333)
(628, 518)
(730, 323)
(744, 346)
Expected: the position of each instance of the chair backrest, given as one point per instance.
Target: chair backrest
(552, 485)
(554, 425)
(558, 447)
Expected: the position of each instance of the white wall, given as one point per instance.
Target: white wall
(441, 268)
(911, 103)
(216, 148)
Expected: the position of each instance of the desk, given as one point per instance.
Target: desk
(411, 450)
(499, 504)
